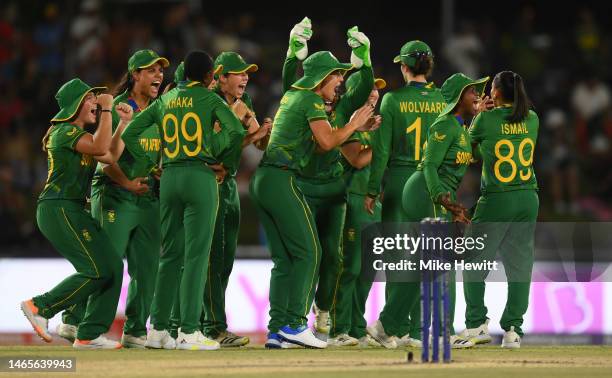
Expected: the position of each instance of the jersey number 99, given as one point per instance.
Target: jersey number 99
(187, 137)
(525, 172)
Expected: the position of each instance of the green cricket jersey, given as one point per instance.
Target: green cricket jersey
(150, 141)
(230, 157)
(507, 150)
(407, 114)
(70, 171)
(291, 143)
(328, 165)
(185, 117)
(448, 153)
(357, 179)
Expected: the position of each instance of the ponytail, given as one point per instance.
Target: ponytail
(423, 64)
(512, 89)
(126, 84)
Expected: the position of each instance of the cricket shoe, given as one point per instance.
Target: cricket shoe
(321, 323)
(342, 340)
(66, 331)
(274, 341)
(407, 341)
(287, 345)
(479, 335)
(459, 342)
(159, 340)
(511, 339)
(378, 333)
(99, 342)
(39, 324)
(368, 341)
(301, 336)
(230, 339)
(136, 342)
(195, 341)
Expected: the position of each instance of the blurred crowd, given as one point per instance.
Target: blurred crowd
(565, 65)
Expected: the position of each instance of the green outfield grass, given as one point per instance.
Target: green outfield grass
(558, 361)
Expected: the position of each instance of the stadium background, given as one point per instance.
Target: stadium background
(563, 53)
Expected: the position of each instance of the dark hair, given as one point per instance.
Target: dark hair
(197, 65)
(423, 64)
(125, 84)
(511, 87)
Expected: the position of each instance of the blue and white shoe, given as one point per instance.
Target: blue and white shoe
(274, 341)
(301, 336)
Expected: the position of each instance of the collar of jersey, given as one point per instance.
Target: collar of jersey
(418, 84)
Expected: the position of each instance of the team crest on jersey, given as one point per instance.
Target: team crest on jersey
(111, 216)
(350, 234)
(439, 137)
(86, 235)
(319, 106)
(462, 140)
(86, 160)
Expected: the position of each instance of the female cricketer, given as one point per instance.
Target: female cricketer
(300, 125)
(62, 218)
(348, 325)
(232, 80)
(506, 137)
(185, 117)
(127, 207)
(397, 146)
(321, 179)
(430, 192)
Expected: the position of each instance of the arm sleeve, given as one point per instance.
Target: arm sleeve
(142, 121)
(358, 95)
(381, 145)
(315, 109)
(439, 140)
(289, 73)
(230, 123)
(476, 129)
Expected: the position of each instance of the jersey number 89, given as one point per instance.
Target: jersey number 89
(525, 172)
(187, 139)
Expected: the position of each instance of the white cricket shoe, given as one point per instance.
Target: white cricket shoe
(136, 342)
(159, 340)
(230, 339)
(66, 331)
(287, 345)
(301, 336)
(100, 342)
(39, 324)
(407, 341)
(195, 341)
(459, 342)
(479, 335)
(342, 340)
(511, 339)
(368, 341)
(378, 333)
(321, 323)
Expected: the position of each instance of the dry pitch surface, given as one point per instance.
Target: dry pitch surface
(491, 361)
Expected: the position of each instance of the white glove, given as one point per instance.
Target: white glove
(298, 39)
(360, 44)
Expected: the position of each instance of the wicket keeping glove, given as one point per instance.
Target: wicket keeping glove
(298, 39)
(360, 43)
